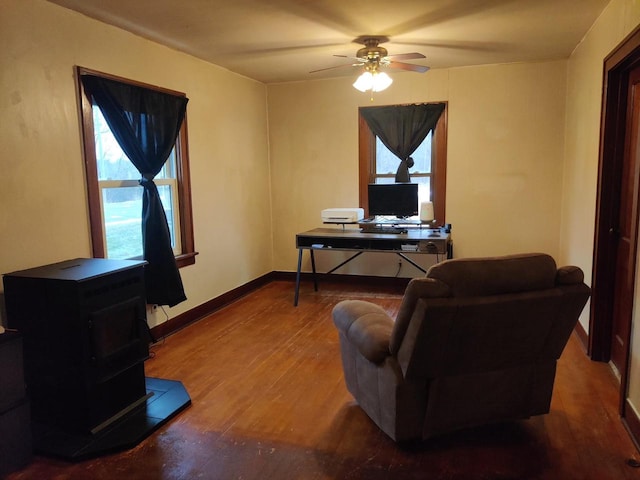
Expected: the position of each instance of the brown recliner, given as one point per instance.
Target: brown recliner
(475, 341)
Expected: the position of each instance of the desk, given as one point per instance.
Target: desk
(414, 240)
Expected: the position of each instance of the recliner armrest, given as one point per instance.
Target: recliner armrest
(569, 275)
(366, 326)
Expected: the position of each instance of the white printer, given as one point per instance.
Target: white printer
(342, 215)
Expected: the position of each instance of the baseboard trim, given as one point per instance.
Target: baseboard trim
(631, 423)
(583, 336)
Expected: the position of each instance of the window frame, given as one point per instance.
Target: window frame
(367, 159)
(182, 173)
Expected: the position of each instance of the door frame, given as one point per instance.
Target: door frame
(617, 66)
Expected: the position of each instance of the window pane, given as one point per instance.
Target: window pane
(169, 167)
(122, 209)
(112, 162)
(166, 196)
(387, 162)
(424, 188)
(422, 157)
(122, 218)
(385, 180)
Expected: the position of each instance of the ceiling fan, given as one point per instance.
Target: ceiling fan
(372, 57)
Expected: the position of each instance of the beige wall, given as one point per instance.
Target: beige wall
(504, 160)
(582, 133)
(582, 139)
(43, 213)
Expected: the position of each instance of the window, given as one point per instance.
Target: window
(115, 196)
(379, 165)
(384, 165)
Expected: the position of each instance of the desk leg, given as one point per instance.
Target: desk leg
(313, 269)
(414, 263)
(295, 298)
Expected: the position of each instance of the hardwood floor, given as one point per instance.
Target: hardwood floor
(269, 402)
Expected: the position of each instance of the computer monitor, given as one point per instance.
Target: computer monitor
(396, 199)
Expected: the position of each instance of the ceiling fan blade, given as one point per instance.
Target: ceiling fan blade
(335, 67)
(409, 66)
(406, 56)
(352, 58)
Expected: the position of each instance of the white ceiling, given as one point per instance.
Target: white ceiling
(283, 40)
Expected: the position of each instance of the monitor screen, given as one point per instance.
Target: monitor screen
(398, 199)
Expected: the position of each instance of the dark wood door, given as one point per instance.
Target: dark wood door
(627, 230)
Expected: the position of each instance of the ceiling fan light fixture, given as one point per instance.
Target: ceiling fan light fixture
(381, 81)
(364, 82)
(374, 81)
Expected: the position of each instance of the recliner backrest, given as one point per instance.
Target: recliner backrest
(456, 336)
(474, 277)
(471, 315)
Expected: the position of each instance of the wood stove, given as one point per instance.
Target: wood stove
(85, 342)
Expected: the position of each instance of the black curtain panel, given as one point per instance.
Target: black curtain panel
(402, 128)
(146, 124)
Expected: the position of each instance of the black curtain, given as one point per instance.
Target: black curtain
(402, 128)
(146, 124)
